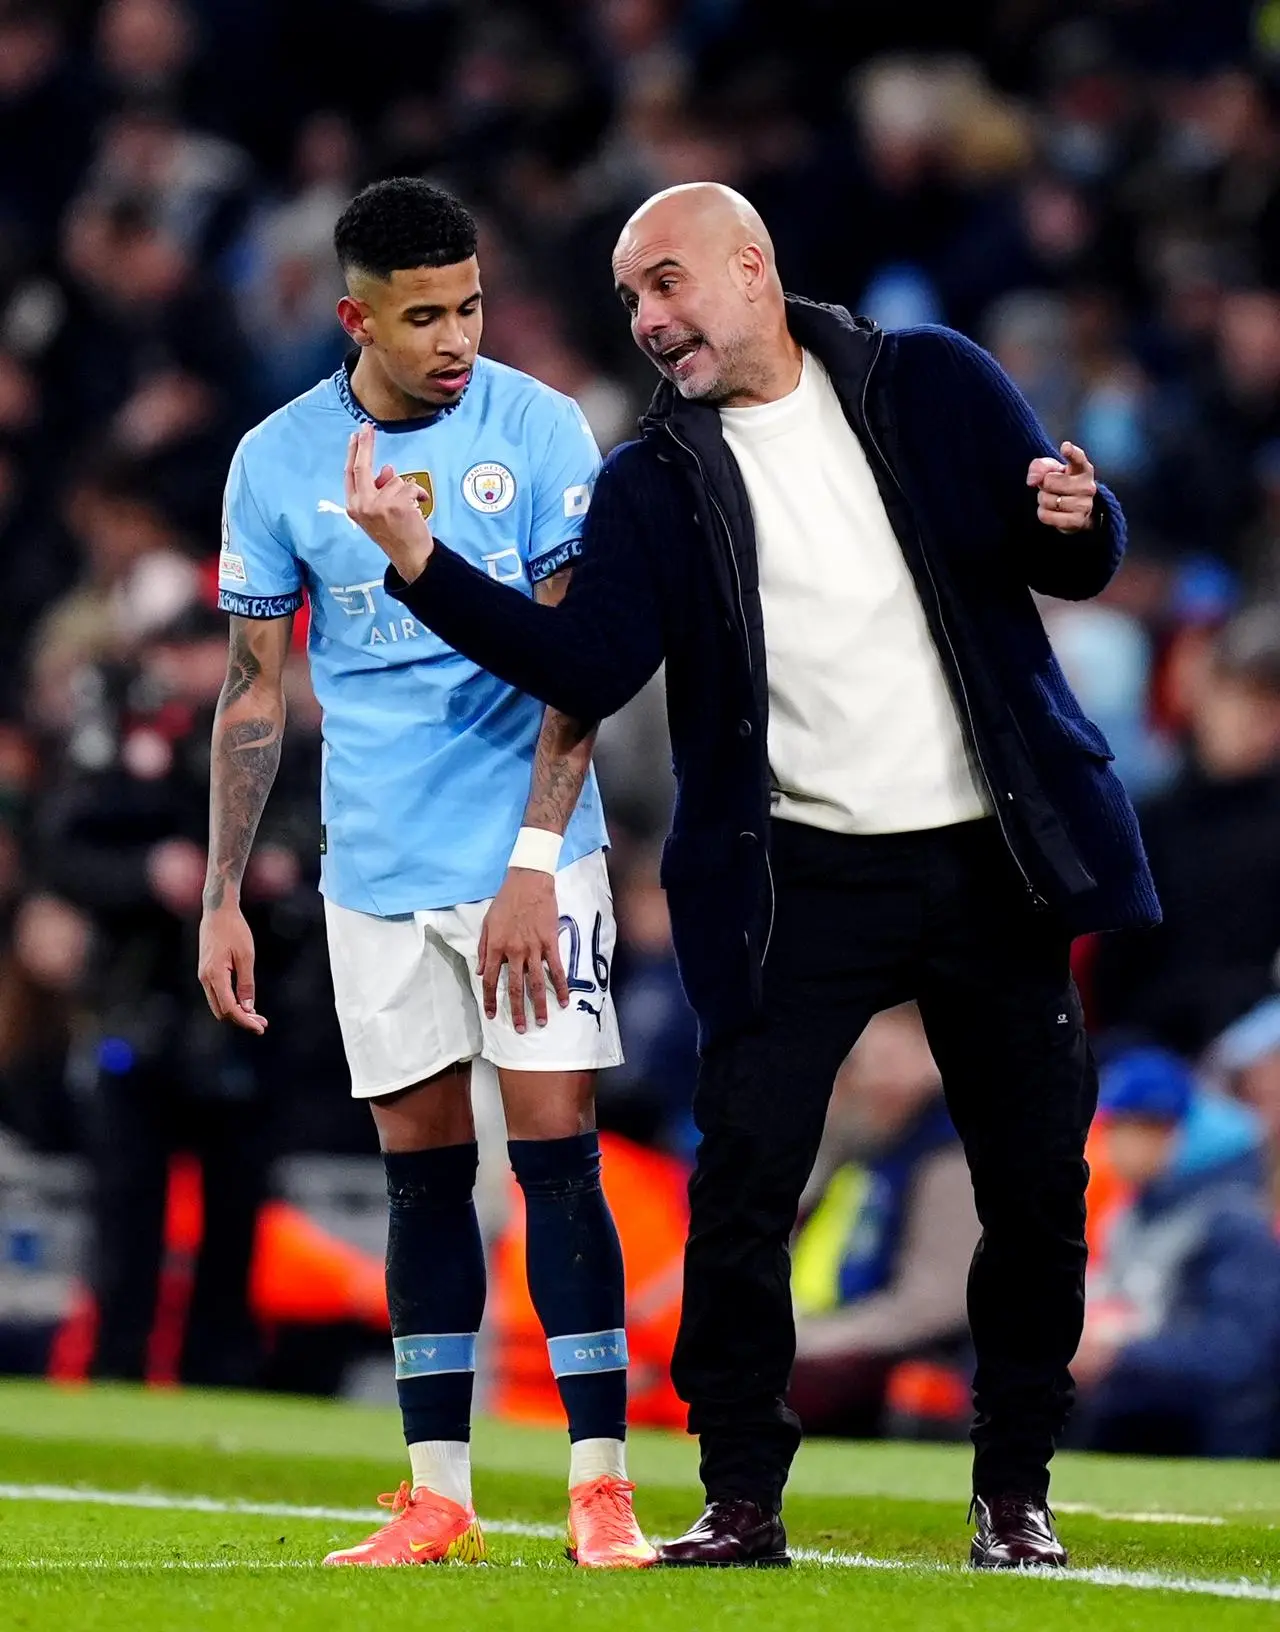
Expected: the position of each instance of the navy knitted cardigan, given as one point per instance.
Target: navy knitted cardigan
(668, 573)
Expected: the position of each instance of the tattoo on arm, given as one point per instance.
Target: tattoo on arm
(243, 667)
(560, 764)
(563, 755)
(247, 732)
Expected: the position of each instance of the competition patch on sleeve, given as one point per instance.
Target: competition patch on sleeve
(231, 568)
(577, 500)
(259, 606)
(554, 560)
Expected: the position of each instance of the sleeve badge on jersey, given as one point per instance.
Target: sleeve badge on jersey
(577, 500)
(231, 569)
(489, 488)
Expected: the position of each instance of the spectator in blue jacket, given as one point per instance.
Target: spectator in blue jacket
(1246, 1060)
(1181, 1350)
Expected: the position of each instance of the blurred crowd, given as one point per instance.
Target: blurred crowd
(1092, 192)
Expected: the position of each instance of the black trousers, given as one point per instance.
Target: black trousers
(860, 925)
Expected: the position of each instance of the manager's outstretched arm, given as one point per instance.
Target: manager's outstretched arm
(586, 657)
(1069, 540)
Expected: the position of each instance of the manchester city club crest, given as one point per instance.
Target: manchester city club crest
(489, 488)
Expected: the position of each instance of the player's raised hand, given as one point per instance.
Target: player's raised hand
(226, 967)
(387, 507)
(522, 930)
(1066, 491)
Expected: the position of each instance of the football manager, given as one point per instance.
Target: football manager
(831, 535)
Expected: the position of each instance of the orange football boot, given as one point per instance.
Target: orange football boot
(423, 1529)
(603, 1532)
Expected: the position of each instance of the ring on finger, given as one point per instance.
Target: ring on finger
(1057, 501)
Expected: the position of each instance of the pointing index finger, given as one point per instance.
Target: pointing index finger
(1077, 459)
(349, 471)
(362, 463)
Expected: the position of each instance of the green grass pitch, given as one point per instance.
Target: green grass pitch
(172, 1512)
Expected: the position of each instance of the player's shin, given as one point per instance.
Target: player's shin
(575, 1272)
(436, 1293)
(576, 1281)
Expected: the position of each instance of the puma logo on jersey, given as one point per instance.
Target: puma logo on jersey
(326, 507)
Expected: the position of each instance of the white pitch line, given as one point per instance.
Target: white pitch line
(1099, 1576)
(1153, 1581)
(1139, 1580)
(1085, 1511)
(9, 1566)
(355, 1515)
(543, 1532)
(262, 1510)
(97, 1565)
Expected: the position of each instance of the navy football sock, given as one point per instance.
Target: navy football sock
(435, 1287)
(574, 1264)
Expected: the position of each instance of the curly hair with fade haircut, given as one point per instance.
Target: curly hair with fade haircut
(396, 225)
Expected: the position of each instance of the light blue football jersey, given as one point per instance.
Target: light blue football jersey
(427, 758)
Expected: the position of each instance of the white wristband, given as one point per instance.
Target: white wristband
(536, 849)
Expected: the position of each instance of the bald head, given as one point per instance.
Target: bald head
(695, 268)
(700, 212)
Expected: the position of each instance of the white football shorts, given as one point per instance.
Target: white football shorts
(410, 1002)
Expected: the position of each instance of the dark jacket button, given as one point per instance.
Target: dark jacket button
(744, 728)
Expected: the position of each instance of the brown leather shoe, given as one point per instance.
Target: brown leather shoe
(730, 1534)
(1013, 1533)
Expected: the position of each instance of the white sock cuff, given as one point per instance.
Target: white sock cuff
(444, 1466)
(596, 1459)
